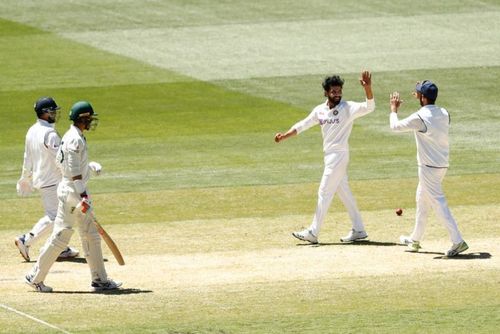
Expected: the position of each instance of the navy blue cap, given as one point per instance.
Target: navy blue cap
(428, 89)
(45, 104)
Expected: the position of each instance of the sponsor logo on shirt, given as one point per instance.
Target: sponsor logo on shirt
(329, 121)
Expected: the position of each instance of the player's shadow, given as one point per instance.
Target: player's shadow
(357, 243)
(106, 292)
(75, 259)
(468, 256)
(423, 252)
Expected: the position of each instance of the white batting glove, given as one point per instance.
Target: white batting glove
(95, 167)
(24, 187)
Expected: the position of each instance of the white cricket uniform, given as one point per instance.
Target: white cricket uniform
(430, 125)
(41, 145)
(73, 159)
(336, 126)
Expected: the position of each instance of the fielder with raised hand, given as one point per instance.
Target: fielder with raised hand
(430, 125)
(40, 173)
(336, 118)
(74, 204)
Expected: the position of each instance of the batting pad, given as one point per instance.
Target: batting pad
(91, 245)
(57, 242)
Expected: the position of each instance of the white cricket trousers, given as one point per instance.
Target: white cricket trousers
(44, 225)
(67, 218)
(429, 196)
(50, 201)
(335, 180)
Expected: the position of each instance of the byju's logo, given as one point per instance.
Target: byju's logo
(329, 121)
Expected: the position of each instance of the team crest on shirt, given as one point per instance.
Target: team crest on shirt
(329, 117)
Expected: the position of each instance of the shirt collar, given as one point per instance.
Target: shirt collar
(45, 123)
(337, 107)
(77, 130)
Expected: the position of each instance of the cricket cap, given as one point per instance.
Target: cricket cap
(45, 104)
(428, 89)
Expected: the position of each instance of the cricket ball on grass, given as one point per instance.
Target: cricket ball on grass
(399, 211)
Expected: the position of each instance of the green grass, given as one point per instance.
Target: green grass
(260, 308)
(190, 95)
(420, 301)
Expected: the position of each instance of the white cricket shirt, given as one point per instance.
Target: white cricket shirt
(336, 124)
(41, 145)
(430, 124)
(72, 155)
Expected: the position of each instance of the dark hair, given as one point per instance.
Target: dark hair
(334, 80)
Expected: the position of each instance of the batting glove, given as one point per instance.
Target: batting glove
(85, 205)
(95, 167)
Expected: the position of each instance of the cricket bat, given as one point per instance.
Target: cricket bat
(107, 239)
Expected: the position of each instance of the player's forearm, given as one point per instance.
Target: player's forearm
(26, 173)
(280, 136)
(397, 125)
(290, 133)
(27, 166)
(370, 105)
(368, 92)
(74, 166)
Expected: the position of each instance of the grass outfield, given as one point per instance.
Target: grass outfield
(202, 201)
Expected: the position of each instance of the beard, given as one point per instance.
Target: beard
(334, 101)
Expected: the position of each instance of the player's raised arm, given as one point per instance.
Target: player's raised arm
(366, 82)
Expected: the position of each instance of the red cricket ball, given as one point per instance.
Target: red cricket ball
(399, 211)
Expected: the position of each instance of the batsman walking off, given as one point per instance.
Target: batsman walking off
(336, 117)
(430, 125)
(74, 205)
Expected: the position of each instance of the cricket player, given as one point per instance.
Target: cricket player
(430, 125)
(336, 117)
(74, 206)
(41, 173)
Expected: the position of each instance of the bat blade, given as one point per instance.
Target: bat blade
(111, 244)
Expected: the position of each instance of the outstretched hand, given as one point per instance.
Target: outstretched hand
(395, 101)
(366, 78)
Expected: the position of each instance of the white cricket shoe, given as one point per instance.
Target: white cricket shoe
(40, 287)
(354, 236)
(69, 252)
(306, 235)
(23, 249)
(405, 240)
(457, 249)
(98, 285)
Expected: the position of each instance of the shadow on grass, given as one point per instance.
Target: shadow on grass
(423, 252)
(75, 260)
(357, 243)
(469, 256)
(108, 292)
